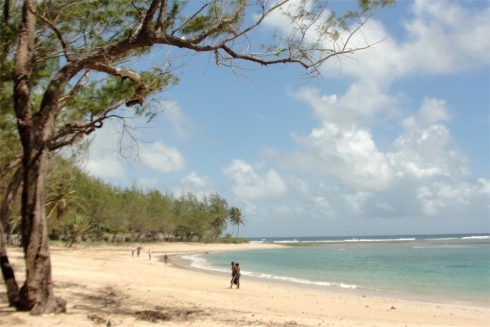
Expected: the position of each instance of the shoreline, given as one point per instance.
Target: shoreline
(108, 282)
(184, 263)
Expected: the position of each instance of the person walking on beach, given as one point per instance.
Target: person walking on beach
(165, 258)
(149, 254)
(132, 251)
(138, 251)
(238, 275)
(233, 274)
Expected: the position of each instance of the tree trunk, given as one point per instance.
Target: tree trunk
(9, 277)
(37, 293)
(35, 130)
(7, 271)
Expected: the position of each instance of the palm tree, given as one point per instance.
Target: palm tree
(60, 202)
(236, 218)
(77, 228)
(219, 210)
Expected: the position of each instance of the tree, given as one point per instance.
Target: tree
(57, 57)
(236, 218)
(61, 199)
(76, 228)
(219, 209)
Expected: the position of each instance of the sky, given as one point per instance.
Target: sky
(392, 140)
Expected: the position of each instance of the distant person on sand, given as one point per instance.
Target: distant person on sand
(165, 258)
(238, 275)
(132, 251)
(149, 254)
(138, 251)
(233, 274)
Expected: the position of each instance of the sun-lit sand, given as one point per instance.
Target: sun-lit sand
(105, 282)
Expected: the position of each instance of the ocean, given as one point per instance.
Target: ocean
(451, 267)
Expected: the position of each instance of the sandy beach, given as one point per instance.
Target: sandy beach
(104, 283)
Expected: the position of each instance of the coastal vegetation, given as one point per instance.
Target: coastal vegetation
(68, 67)
(80, 208)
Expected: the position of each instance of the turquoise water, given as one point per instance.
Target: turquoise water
(450, 266)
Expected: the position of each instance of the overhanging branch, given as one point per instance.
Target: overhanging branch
(138, 97)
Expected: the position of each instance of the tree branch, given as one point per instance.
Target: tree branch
(13, 163)
(149, 16)
(258, 22)
(116, 72)
(138, 97)
(78, 86)
(188, 20)
(60, 145)
(161, 15)
(55, 30)
(198, 39)
(252, 58)
(23, 69)
(10, 194)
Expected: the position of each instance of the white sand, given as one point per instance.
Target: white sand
(108, 282)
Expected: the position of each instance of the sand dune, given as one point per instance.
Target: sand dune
(105, 283)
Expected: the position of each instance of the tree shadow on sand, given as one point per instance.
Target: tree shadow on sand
(106, 304)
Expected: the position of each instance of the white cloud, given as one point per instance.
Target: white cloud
(422, 171)
(103, 161)
(442, 37)
(349, 154)
(447, 37)
(251, 185)
(161, 157)
(359, 104)
(182, 126)
(300, 185)
(433, 110)
(425, 148)
(200, 186)
(321, 202)
(107, 167)
(356, 201)
(426, 198)
(484, 186)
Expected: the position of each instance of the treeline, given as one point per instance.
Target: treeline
(80, 207)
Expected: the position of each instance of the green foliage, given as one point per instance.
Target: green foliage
(232, 240)
(198, 23)
(80, 206)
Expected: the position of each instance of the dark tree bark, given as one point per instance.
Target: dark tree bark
(7, 271)
(9, 277)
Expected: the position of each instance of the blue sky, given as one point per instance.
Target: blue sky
(393, 140)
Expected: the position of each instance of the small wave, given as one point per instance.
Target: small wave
(476, 237)
(287, 241)
(198, 262)
(256, 242)
(287, 279)
(381, 240)
(348, 286)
